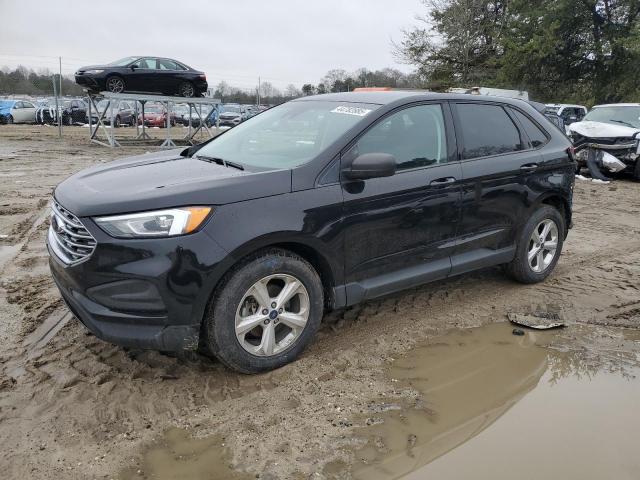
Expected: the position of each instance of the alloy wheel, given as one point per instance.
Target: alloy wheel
(115, 85)
(272, 314)
(186, 90)
(543, 245)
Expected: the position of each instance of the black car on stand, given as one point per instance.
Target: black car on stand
(145, 75)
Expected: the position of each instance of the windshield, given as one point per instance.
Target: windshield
(551, 111)
(123, 61)
(288, 135)
(628, 116)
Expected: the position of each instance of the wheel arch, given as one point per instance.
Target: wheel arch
(558, 202)
(304, 249)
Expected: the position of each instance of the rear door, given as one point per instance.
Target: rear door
(498, 174)
(168, 75)
(399, 231)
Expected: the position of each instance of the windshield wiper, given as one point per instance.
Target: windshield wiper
(622, 122)
(220, 161)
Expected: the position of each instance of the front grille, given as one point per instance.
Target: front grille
(69, 239)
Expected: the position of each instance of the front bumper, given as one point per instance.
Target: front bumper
(148, 294)
(90, 82)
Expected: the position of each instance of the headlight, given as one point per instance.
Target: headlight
(93, 72)
(159, 223)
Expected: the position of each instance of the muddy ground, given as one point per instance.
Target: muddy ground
(72, 406)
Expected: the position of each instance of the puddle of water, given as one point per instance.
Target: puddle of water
(496, 406)
(178, 456)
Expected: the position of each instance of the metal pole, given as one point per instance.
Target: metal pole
(60, 73)
(55, 94)
(258, 91)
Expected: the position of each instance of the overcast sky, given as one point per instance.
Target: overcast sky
(283, 41)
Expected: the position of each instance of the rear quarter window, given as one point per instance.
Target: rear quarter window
(536, 134)
(487, 130)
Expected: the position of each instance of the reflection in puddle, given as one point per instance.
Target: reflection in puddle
(497, 406)
(180, 457)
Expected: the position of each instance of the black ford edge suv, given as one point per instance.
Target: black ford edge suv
(239, 245)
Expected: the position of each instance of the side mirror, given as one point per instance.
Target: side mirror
(371, 165)
(133, 67)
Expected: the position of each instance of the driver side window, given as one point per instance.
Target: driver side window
(415, 136)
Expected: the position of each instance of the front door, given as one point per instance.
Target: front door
(141, 77)
(399, 231)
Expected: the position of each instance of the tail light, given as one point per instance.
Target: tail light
(202, 77)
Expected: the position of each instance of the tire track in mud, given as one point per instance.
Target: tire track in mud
(137, 389)
(77, 398)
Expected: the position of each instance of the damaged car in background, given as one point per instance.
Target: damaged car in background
(608, 140)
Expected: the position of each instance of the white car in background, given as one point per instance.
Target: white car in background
(17, 111)
(613, 133)
(566, 112)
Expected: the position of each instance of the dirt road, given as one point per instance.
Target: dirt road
(72, 406)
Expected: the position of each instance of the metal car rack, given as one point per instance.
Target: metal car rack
(114, 99)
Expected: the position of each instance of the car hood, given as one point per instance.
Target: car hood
(95, 67)
(163, 180)
(602, 130)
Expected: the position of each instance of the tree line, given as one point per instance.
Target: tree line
(25, 81)
(582, 51)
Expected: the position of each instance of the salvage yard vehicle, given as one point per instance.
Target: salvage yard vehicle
(123, 113)
(567, 112)
(71, 111)
(144, 74)
(17, 111)
(231, 115)
(155, 115)
(238, 245)
(609, 139)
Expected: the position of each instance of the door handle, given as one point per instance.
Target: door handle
(442, 181)
(529, 167)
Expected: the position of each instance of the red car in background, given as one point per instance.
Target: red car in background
(155, 115)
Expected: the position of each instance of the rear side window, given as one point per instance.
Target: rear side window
(487, 130)
(533, 131)
(415, 136)
(164, 64)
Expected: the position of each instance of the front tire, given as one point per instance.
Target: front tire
(115, 84)
(539, 246)
(265, 313)
(636, 171)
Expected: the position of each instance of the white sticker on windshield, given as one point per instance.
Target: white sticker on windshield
(358, 111)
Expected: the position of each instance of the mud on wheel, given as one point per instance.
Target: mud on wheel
(265, 313)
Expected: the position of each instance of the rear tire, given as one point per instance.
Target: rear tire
(10, 120)
(534, 260)
(117, 123)
(186, 89)
(267, 340)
